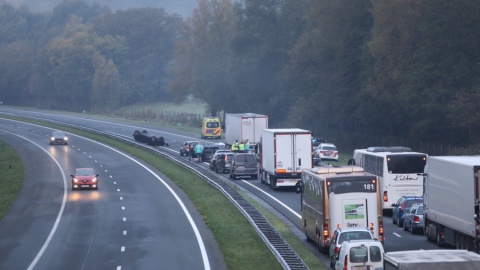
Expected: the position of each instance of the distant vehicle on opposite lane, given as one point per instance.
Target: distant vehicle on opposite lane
(84, 178)
(58, 137)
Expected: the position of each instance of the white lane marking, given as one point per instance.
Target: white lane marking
(275, 199)
(118, 189)
(121, 198)
(123, 207)
(124, 219)
(60, 212)
(122, 249)
(124, 232)
(396, 234)
(114, 183)
(110, 176)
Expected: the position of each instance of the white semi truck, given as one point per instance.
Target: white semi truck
(284, 154)
(339, 197)
(431, 260)
(244, 126)
(451, 201)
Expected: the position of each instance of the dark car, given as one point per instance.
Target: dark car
(402, 206)
(413, 220)
(58, 137)
(183, 148)
(223, 162)
(208, 151)
(213, 160)
(244, 164)
(84, 178)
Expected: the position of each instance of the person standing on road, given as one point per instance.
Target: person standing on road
(241, 147)
(199, 151)
(247, 146)
(235, 146)
(190, 152)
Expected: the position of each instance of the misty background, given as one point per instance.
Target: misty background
(359, 73)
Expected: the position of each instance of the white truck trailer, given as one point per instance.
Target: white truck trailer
(431, 260)
(283, 154)
(451, 201)
(244, 126)
(339, 197)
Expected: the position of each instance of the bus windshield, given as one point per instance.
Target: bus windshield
(406, 163)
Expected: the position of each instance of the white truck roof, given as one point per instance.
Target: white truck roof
(437, 259)
(287, 130)
(340, 169)
(466, 160)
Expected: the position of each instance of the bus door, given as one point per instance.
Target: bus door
(355, 213)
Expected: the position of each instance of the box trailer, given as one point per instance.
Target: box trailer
(244, 126)
(283, 154)
(451, 201)
(431, 260)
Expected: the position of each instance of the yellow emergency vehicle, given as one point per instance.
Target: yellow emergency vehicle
(211, 128)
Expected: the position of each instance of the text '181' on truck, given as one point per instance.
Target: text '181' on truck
(339, 197)
(284, 154)
(451, 201)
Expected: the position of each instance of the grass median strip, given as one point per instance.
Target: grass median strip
(241, 246)
(11, 177)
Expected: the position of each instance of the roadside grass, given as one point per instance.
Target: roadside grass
(11, 179)
(242, 248)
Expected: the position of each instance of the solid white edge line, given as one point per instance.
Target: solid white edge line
(275, 199)
(60, 212)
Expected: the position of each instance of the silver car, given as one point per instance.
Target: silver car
(413, 220)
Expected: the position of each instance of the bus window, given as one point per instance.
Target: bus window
(406, 163)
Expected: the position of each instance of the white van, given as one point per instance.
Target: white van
(360, 254)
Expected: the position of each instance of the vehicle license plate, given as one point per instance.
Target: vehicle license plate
(361, 267)
(85, 185)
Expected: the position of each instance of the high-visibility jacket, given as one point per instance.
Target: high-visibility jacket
(241, 147)
(235, 147)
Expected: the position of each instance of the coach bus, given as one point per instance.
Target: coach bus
(339, 197)
(399, 168)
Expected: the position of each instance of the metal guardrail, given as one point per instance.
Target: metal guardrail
(287, 257)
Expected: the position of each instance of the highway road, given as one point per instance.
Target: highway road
(137, 219)
(284, 202)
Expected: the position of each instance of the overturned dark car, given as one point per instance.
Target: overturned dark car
(144, 137)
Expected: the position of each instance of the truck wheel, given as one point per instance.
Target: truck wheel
(273, 182)
(438, 239)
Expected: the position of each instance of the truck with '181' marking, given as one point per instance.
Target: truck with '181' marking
(339, 197)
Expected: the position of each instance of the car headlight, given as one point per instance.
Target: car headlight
(66, 138)
(75, 180)
(94, 180)
(52, 138)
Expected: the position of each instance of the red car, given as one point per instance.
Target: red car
(84, 178)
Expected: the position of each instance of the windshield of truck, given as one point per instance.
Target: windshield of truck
(411, 163)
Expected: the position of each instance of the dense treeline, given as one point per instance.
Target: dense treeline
(354, 72)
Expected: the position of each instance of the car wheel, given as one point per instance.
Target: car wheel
(405, 226)
(393, 220)
(400, 222)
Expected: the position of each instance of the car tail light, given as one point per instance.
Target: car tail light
(337, 249)
(416, 219)
(325, 232)
(385, 196)
(345, 263)
(372, 229)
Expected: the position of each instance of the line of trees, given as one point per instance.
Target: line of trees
(350, 71)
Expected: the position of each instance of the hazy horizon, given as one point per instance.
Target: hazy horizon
(182, 7)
